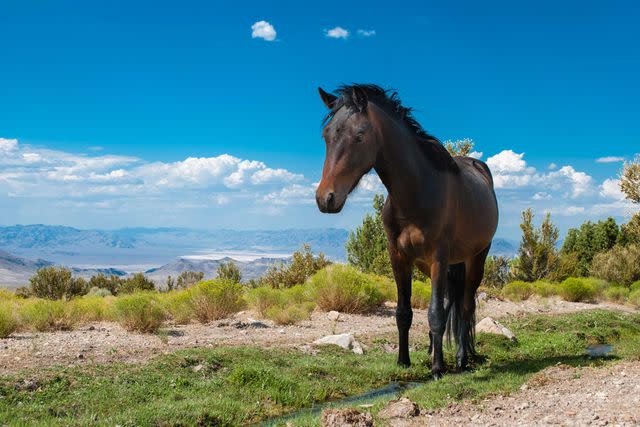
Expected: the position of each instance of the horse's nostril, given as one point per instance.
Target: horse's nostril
(330, 198)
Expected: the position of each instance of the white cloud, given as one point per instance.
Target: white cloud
(263, 30)
(476, 154)
(507, 161)
(552, 166)
(366, 33)
(542, 195)
(610, 159)
(337, 33)
(610, 188)
(7, 145)
(268, 175)
(371, 183)
(580, 182)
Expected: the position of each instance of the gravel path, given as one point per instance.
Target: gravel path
(108, 342)
(560, 395)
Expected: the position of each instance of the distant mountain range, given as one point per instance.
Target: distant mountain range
(26, 248)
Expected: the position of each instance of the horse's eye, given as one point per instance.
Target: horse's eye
(359, 136)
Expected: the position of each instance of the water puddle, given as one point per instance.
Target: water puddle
(391, 390)
(595, 351)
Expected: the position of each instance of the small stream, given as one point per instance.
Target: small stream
(391, 390)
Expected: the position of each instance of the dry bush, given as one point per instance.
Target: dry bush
(345, 289)
(216, 299)
(621, 264)
(45, 315)
(517, 291)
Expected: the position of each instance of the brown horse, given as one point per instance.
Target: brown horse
(441, 212)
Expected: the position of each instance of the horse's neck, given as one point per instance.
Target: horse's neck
(407, 173)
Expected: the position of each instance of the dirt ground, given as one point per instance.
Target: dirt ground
(107, 342)
(560, 395)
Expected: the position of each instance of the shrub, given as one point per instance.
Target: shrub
(111, 284)
(91, 308)
(189, 278)
(617, 294)
(635, 286)
(634, 298)
(56, 283)
(139, 312)
(420, 294)
(99, 292)
(343, 288)
(618, 265)
(517, 291)
(544, 289)
(44, 315)
(289, 315)
(216, 299)
(7, 295)
(386, 286)
(136, 283)
(303, 265)
(263, 298)
(577, 289)
(179, 305)
(8, 318)
(229, 271)
(496, 272)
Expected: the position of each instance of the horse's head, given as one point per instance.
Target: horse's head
(351, 148)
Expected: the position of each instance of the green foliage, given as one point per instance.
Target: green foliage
(139, 312)
(136, 283)
(179, 306)
(420, 294)
(229, 271)
(630, 232)
(189, 278)
(630, 179)
(517, 291)
(216, 299)
(496, 272)
(44, 315)
(303, 265)
(634, 298)
(544, 289)
(345, 289)
(91, 308)
(290, 314)
(8, 318)
(588, 240)
(56, 283)
(367, 245)
(617, 294)
(635, 286)
(568, 266)
(577, 289)
(111, 283)
(620, 264)
(537, 254)
(283, 306)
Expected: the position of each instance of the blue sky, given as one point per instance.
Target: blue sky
(144, 113)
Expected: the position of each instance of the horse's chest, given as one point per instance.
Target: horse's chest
(414, 241)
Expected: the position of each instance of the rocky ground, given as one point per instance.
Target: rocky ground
(560, 395)
(108, 342)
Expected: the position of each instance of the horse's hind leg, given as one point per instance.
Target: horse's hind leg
(466, 325)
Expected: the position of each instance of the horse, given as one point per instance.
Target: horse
(441, 212)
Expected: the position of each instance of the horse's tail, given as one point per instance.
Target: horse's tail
(456, 320)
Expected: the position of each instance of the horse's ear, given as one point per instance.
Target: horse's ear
(359, 98)
(327, 98)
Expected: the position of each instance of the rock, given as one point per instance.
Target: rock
(197, 368)
(401, 408)
(491, 326)
(346, 341)
(346, 418)
(333, 316)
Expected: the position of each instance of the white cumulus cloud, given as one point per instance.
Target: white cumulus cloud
(337, 33)
(263, 30)
(610, 159)
(366, 33)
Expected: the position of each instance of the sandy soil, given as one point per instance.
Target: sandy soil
(107, 342)
(560, 395)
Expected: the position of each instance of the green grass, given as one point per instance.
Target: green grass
(234, 386)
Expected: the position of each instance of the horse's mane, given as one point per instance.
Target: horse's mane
(356, 96)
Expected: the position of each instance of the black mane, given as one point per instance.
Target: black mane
(355, 97)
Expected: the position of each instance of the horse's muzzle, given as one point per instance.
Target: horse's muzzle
(328, 202)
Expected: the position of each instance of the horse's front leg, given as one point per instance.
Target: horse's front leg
(437, 314)
(404, 314)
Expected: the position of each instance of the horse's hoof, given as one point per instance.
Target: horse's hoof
(404, 364)
(437, 376)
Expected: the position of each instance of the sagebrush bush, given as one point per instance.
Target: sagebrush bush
(345, 289)
(544, 289)
(99, 292)
(91, 308)
(621, 264)
(136, 283)
(8, 319)
(303, 265)
(179, 306)
(635, 286)
(216, 299)
(289, 315)
(45, 315)
(517, 291)
(420, 294)
(634, 298)
(56, 283)
(386, 285)
(578, 290)
(617, 294)
(140, 312)
(283, 306)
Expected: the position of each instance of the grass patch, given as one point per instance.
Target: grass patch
(234, 386)
(8, 319)
(45, 315)
(517, 291)
(216, 299)
(420, 294)
(139, 312)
